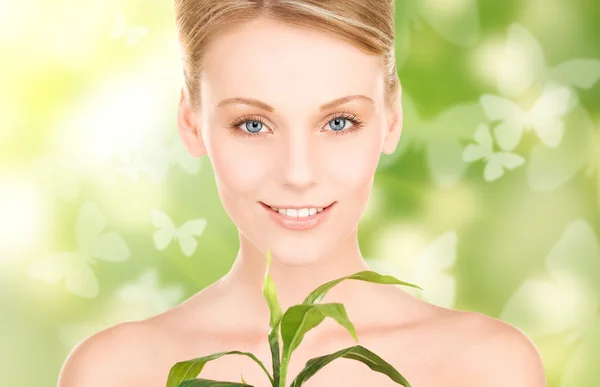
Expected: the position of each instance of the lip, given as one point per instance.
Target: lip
(305, 223)
(298, 207)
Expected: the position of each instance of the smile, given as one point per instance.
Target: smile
(298, 218)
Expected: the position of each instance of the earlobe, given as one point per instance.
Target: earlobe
(393, 133)
(187, 121)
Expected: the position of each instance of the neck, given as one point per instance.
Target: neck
(245, 279)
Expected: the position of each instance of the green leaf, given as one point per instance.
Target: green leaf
(357, 352)
(270, 294)
(210, 383)
(275, 352)
(189, 369)
(299, 319)
(370, 276)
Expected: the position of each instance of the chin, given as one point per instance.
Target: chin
(297, 254)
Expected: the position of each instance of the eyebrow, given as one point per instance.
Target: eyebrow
(264, 106)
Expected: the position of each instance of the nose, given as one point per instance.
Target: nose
(299, 159)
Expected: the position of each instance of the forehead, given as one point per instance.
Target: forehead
(286, 65)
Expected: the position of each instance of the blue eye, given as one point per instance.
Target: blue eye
(338, 123)
(254, 124)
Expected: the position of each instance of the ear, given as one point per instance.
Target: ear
(187, 122)
(394, 127)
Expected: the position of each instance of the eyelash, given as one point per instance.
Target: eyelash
(356, 124)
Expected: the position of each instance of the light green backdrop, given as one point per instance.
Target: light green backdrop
(89, 147)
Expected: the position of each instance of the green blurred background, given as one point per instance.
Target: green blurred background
(490, 203)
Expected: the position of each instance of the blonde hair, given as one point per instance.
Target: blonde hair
(367, 24)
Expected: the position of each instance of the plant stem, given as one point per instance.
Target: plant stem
(283, 370)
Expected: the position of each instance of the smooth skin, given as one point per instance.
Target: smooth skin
(298, 158)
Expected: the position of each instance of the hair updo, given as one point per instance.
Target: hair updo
(366, 24)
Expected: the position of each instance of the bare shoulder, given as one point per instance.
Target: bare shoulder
(497, 353)
(105, 358)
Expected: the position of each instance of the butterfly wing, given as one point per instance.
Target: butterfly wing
(143, 298)
(473, 152)
(166, 228)
(577, 255)
(565, 300)
(550, 168)
(430, 270)
(522, 62)
(444, 141)
(598, 186)
(157, 163)
(88, 230)
(581, 72)
(183, 158)
(510, 160)
(484, 146)
(131, 165)
(73, 267)
(445, 161)
(582, 367)
(187, 235)
(88, 226)
(543, 306)
(405, 13)
(458, 22)
(58, 174)
(512, 120)
(80, 278)
(110, 246)
(134, 34)
(51, 268)
(493, 169)
(498, 161)
(547, 114)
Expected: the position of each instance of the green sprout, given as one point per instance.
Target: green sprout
(294, 324)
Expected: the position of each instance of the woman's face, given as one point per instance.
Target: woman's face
(291, 149)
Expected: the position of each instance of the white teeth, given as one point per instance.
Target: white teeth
(303, 212)
(298, 213)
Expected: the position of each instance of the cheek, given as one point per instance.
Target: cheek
(352, 164)
(238, 166)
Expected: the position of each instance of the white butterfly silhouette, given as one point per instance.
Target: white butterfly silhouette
(522, 64)
(59, 174)
(123, 29)
(495, 161)
(167, 232)
(545, 117)
(157, 160)
(133, 301)
(550, 168)
(429, 270)
(441, 138)
(565, 301)
(456, 21)
(593, 168)
(133, 164)
(75, 267)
